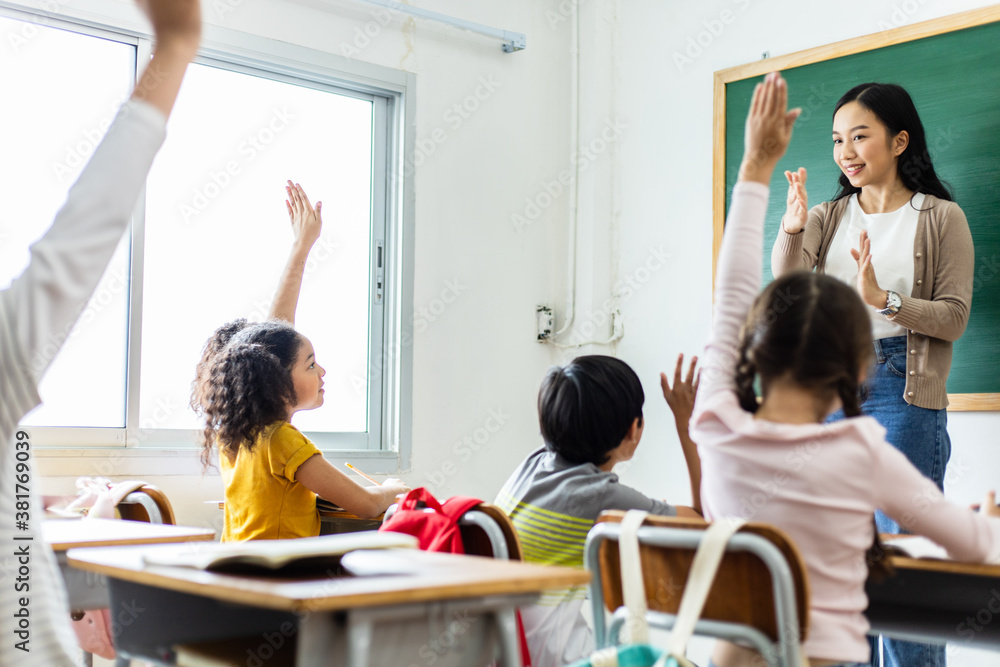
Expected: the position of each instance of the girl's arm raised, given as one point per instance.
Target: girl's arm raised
(768, 131)
(326, 481)
(307, 224)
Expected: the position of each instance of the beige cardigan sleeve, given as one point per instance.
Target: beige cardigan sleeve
(794, 252)
(946, 313)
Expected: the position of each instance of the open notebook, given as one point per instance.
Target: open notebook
(275, 554)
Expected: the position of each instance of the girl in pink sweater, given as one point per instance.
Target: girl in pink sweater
(807, 340)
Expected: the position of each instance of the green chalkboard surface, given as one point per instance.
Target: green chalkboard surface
(954, 79)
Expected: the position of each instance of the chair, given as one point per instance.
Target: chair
(147, 504)
(760, 595)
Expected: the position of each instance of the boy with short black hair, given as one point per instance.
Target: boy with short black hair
(590, 414)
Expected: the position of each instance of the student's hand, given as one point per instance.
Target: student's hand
(394, 487)
(307, 221)
(868, 287)
(989, 505)
(768, 129)
(176, 23)
(680, 397)
(797, 206)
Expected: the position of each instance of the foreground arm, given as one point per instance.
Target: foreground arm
(67, 263)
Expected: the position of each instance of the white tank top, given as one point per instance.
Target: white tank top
(892, 235)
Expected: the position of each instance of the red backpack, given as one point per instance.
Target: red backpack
(434, 524)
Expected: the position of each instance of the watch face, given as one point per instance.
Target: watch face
(894, 301)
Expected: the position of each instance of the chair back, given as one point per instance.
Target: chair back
(761, 583)
(147, 504)
(485, 528)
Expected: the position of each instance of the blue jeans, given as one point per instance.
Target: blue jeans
(922, 435)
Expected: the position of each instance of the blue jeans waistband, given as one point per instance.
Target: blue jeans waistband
(887, 346)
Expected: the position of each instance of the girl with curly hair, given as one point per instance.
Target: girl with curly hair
(251, 379)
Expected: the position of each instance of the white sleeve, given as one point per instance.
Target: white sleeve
(44, 302)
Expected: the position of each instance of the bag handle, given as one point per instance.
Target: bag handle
(699, 583)
(417, 495)
(636, 628)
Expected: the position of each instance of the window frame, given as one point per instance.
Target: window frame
(386, 445)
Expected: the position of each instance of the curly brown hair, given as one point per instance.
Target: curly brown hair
(243, 384)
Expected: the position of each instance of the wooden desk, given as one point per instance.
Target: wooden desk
(934, 601)
(84, 590)
(334, 619)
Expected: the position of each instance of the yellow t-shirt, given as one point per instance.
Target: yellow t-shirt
(263, 500)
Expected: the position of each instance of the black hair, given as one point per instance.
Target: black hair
(811, 329)
(244, 384)
(586, 408)
(894, 107)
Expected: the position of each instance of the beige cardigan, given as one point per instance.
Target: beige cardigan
(938, 309)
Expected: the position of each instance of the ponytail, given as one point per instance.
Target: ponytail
(244, 384)
(850, 397)
(746, 373)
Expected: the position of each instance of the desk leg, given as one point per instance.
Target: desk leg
(510, 648)
(359, 642)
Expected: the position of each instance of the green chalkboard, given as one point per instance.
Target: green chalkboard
(954, 79)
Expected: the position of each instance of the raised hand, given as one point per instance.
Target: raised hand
(175, 22)
(868, 287)
(797, 205)
(306, 221)
(768, 129)
(680, 397)
(177, 28)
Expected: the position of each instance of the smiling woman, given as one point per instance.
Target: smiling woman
(894, 233)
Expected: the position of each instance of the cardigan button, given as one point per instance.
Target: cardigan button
(913, 372)
(910, 394)
(920, 282)
(919, 255)
(913, 351)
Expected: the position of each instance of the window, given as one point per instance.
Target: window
(211, 237)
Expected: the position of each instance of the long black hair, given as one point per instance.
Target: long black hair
(243, 384)
(893, 106)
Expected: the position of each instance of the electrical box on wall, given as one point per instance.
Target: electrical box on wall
(544, 323)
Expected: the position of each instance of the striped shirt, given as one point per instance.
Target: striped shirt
(553, 504)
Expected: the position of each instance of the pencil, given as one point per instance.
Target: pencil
(362, 474)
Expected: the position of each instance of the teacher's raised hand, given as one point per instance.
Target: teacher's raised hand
(797, 208)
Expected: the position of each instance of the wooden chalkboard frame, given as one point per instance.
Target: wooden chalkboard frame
(961, 21)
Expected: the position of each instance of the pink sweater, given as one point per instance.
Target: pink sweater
(819, 483)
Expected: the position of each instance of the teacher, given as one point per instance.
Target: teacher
(894, 232)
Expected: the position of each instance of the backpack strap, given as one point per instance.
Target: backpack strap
(699, 583)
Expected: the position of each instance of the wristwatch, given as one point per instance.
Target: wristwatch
(892, 304)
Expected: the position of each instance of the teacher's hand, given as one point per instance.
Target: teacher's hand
(868, 287)
(797, 207)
